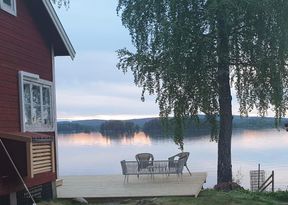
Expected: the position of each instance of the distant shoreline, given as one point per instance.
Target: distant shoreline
(153, 126)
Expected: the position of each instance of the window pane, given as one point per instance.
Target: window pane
(27, 96)
(36, 115)
(37, 102)
(46, 115)
(36, 95)
(46, 96)
(8, 2)
(27, 117)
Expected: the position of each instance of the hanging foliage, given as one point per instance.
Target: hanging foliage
(190, 52)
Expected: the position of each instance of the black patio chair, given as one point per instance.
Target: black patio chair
(144, 160)
(172, 161)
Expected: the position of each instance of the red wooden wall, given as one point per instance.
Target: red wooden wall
(22, 47)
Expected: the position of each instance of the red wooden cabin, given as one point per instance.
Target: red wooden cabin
(31, 35)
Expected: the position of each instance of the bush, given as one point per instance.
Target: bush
(228, 186)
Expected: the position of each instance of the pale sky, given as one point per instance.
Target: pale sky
(91, 87)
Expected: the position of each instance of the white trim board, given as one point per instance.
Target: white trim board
(33, 79)
(59, 28)
(9, 9)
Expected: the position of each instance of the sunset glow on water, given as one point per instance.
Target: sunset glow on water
(95, 154)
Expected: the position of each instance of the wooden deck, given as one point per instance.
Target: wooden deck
(108, 186)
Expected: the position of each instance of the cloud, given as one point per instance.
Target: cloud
(91, 85)
(106, 99)
(94, 25)
(89, 66)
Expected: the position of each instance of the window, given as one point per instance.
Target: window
(8, 6)
(36, 103)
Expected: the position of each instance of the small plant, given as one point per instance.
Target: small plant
(228, 186)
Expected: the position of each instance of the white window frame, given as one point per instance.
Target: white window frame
(10, 9)
(34, 79)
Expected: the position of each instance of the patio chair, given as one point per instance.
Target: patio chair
(144, 160)
(172, 161)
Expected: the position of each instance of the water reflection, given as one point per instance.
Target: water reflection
(137, 139)
(91, 139)
(262, 140)
(83, 139)
(84, 154)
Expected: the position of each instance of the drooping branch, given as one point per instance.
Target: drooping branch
(179, 58)
(61, 3)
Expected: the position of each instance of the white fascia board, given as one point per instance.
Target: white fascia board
(29, 75)
(59, 27)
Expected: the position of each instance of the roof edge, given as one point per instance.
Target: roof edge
(59, 28)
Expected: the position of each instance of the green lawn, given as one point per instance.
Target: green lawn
(206, 197)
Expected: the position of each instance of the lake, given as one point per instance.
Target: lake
(95, 154)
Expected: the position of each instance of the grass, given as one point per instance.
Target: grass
(206, 197)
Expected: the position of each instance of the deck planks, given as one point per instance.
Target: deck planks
(108, 186)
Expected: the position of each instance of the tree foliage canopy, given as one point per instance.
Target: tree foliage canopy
(61, 3)
(176, 54)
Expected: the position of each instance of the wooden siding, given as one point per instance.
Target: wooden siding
(23, 47)
(18, 155)
(6, 188)
(9, 180)
(42, 158)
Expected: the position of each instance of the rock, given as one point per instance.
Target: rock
(80, 200)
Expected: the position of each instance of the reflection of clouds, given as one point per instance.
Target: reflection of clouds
(138, 139)
(81, 139)
(96, 139)
(88, 154)
(261, 140)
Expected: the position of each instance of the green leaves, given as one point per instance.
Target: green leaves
(177, 54)
(259, 53)
(61, 3)
(175, 57)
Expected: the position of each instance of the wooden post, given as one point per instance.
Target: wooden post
(29, 154)
(258, 176)
(13, 198)
(53, 157)
(273, 181)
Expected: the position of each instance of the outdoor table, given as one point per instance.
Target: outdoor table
(155, 167)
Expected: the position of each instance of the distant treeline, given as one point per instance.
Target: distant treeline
(118, 127)
(72, 127)
(156, 127)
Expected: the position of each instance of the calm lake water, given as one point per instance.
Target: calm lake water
(94, 154)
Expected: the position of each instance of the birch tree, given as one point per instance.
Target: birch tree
(189, 53)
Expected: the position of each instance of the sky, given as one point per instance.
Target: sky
(90, 86)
